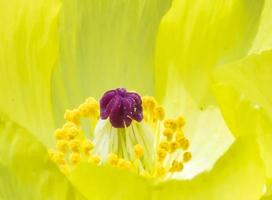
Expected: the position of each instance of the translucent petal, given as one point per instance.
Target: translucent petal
(26, 171)
(263, 39)
(209, 135)
(244, 92)
(196, 36)
(105, 44)
(28, 53)
(239, 174)
(210, 138)
(103, 183)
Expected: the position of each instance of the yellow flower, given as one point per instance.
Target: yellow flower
(195, 57)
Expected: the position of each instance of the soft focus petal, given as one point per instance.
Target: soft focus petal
(26, 171)
(105, 44)
(209, 135)
(238, 175)
(195, 36)
(29, 51)
(244, 89)
(263, 39)
(109, 183)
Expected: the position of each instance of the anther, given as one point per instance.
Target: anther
(168, 133)
(95, 159)
(58, 157)
(184, 143)
(72, 116)
(62, 145)
(171, 124)
(138, 151)
(113, 159)
(159, 113)
(87, 147)
(187, 156)
(75, 145)
(75, 158)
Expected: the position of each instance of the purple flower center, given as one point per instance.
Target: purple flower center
(121, 107)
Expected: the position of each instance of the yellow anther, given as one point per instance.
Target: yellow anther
(69, 125)
(113, 159)
(75, 145)
(173, 147)
(149, 103)
(89, 108)
(70, 130)
(124, 164)
(58, 157)
(138, 151)
(184, 143)
(179, 136)
(171, 124)
(160, 170)
(72, 133)
(168, 133)
(62, 145)
(87, 146)
(176, 166)
(95, 159)
(60, 134)
(161, 153)
(72, 116)
(159, 113)
(75, 158)
(164, 145)
(187, 156)
(180, 121)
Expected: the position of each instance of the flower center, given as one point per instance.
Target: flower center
(131, 133)
(121, 107)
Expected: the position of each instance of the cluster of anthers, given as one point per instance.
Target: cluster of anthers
(125, 131)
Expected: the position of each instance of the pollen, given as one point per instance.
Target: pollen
(72, 116)
(60, 134)
(187, 156)
(62, 145)
(159, 113)
(168, 133)
(122, 130)
(176, 166)
(95, 159)
(113, 159)
(58, 157)
(87, 147)
(75, 158)
(75, 145)
(170, 124)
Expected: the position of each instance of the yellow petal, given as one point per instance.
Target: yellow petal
(238, 175)
(244, 92)
(195, 36)
(103, 183)
(209, 135)
(28, 53)
(263, 39)
(106, 44)
(26, 171)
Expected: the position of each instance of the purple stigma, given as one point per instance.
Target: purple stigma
(121, 107)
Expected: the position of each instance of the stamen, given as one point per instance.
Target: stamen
(154, 147)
